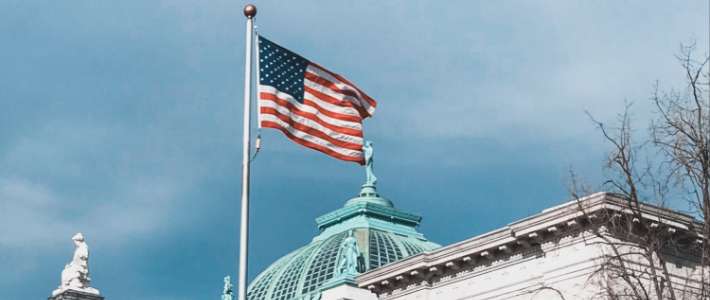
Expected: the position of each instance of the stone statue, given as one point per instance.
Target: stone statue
(75, 275)
(368, 152)
(227, 293)
(349, 254)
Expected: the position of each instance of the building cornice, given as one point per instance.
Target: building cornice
(518, 236)
(368, 209)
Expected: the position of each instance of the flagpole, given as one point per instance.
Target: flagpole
(249, 12)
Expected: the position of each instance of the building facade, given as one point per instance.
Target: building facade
(565, 252)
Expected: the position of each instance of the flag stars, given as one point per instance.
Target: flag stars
(281, 69)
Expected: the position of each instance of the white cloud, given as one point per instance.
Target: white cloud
(29, 212)
(66, 178)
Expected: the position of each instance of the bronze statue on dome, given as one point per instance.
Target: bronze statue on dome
(349, 254)
(368, 153)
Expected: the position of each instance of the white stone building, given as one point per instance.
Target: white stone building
(555, 254)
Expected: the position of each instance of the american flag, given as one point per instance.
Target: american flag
(312, 106)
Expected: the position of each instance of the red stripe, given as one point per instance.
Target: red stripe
(308, 144)
(315, 132)
(283, 102)
(332, 86)
(291, 107)
(335, 101)
(314, 118)
(367, 98)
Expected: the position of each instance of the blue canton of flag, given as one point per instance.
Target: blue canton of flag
(281, 69)
(312, 106)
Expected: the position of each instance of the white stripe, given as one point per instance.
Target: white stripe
(343, 86)
(345, 110)
(333, 94)
(309, 109)
(310, 138)
(320, 116)
(312, 124)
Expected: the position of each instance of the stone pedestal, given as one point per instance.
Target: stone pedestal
(344, 288)
(347, 292)
(75, 295)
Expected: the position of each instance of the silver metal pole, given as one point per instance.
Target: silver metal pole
(258, 77)
(249, 12)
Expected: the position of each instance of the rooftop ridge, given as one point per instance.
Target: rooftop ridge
(530, 230)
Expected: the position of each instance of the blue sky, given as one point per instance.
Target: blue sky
(122, 119)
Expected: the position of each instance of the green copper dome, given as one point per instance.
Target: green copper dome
(383, 233)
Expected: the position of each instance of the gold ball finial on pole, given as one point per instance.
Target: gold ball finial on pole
(250, 10)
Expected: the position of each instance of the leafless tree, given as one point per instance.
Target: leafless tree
(682, 133)
(672, 163)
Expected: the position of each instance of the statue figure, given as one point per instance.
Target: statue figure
(349, 254)
(227, 293)
(368, 152)
(75, 275)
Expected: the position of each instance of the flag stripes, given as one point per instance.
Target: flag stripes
(311, 105)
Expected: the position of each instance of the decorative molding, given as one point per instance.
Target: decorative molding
(519, 241)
